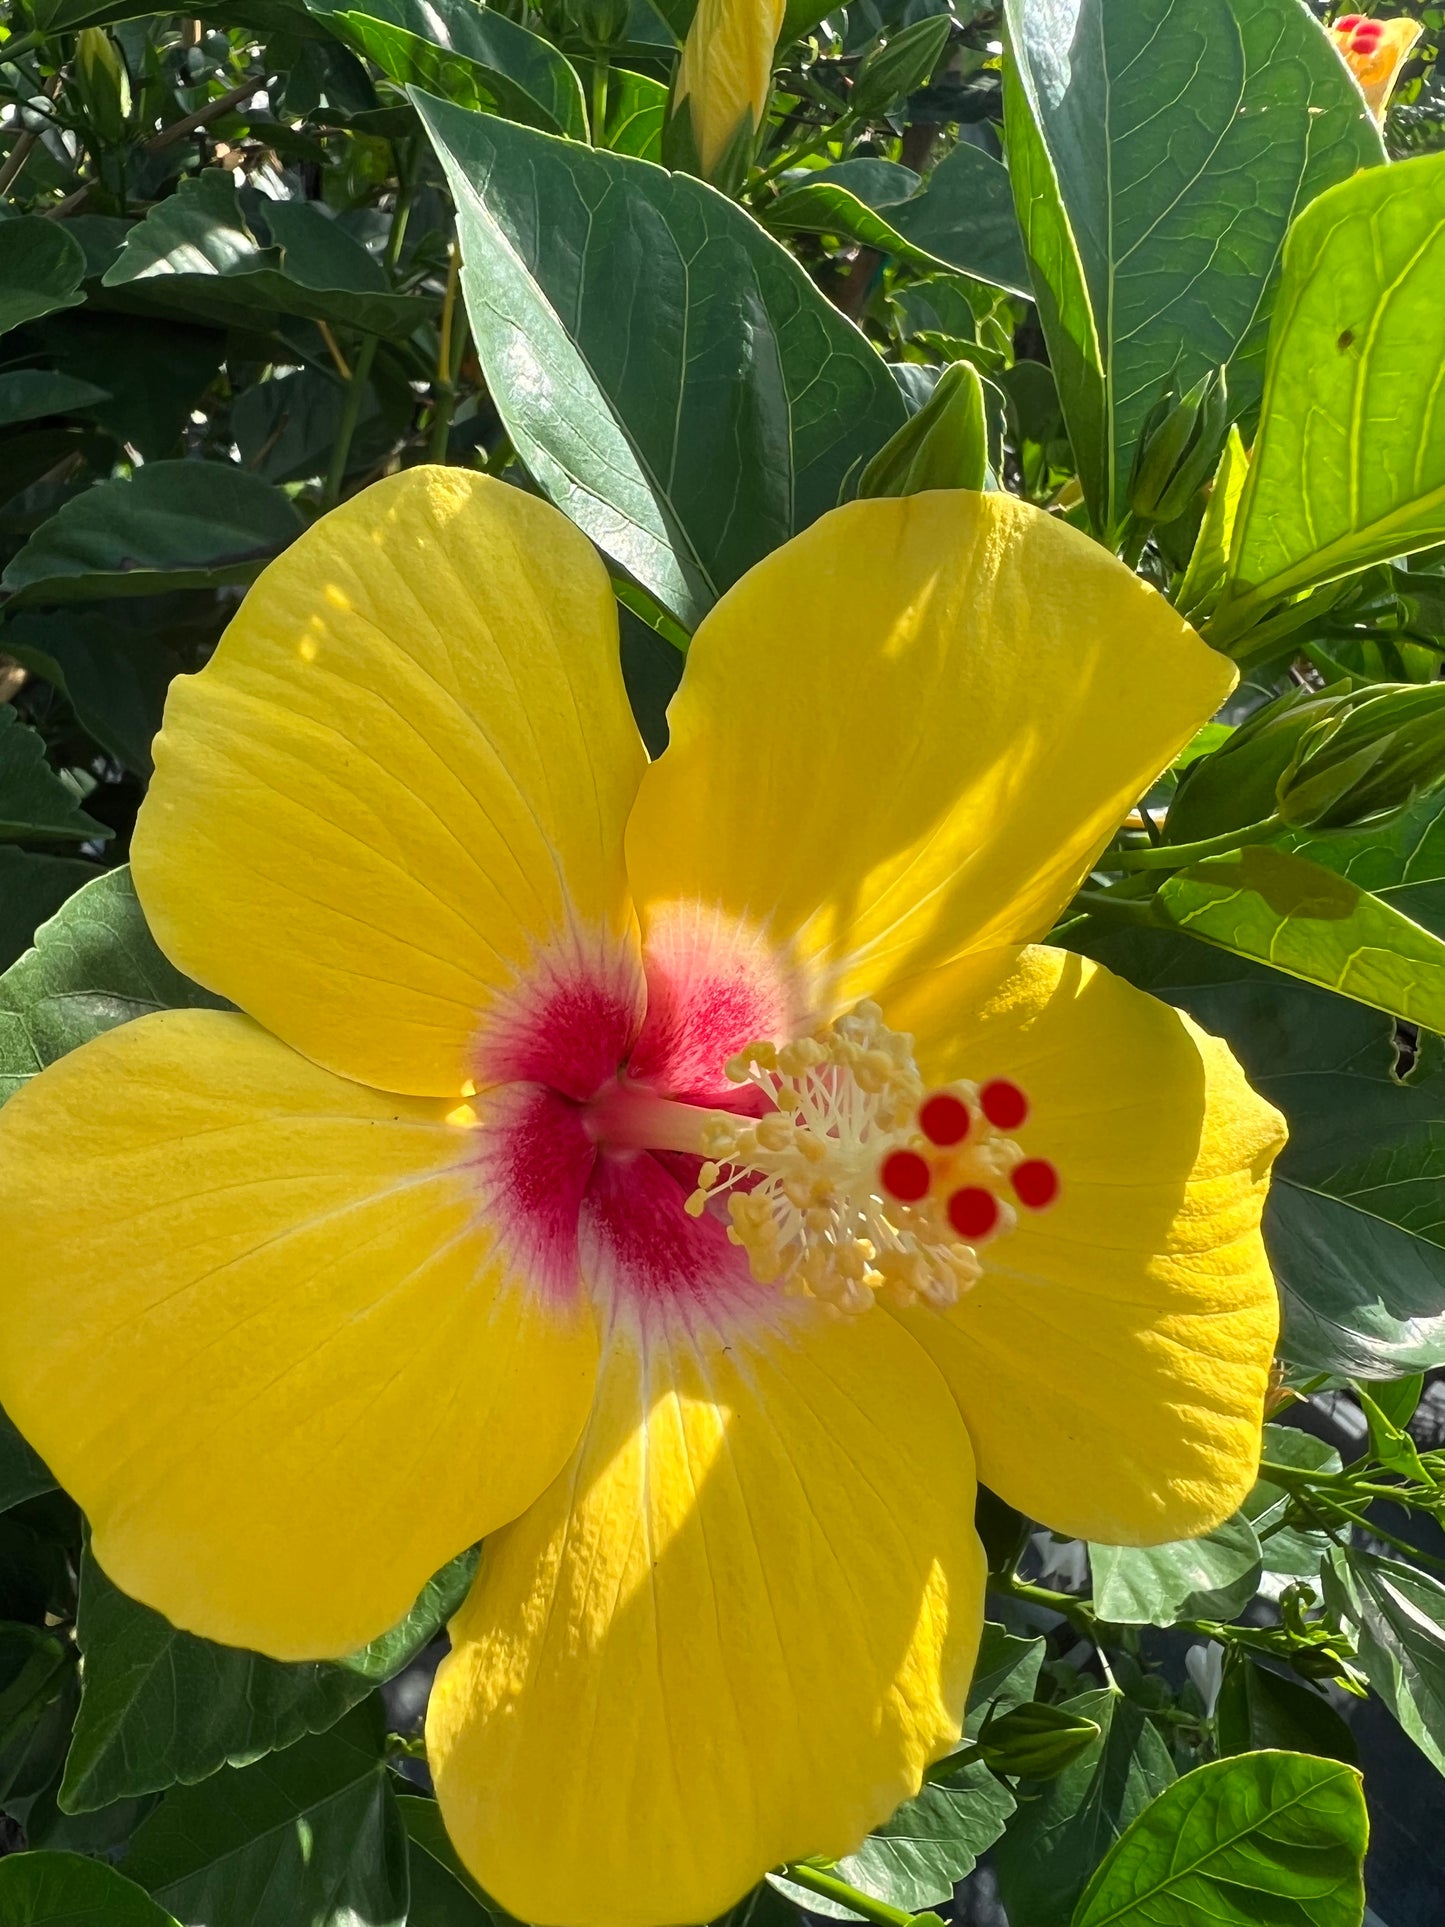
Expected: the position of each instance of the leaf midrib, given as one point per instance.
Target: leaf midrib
(1178, 1874)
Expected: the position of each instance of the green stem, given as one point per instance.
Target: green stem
(406, 178)
(1177, 856)
(1079, 1613)
(444, 387)
(350, 415)
(22, 43)
(601, 65)
(792, 156)
(833, 1888)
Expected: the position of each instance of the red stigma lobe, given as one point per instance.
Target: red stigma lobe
(1004, 1104)
(1348, 22)
(1035, 1183)
(906, 1176)
(943, 1118)
(973, 1212)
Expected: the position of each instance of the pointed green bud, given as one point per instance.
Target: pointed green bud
(1034, 1741)
(601, 23)
(945, 445)
(104, 83)
(1318, 760)
(896, 66)
(1178, 448)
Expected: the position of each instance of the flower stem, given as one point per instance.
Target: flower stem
(831, 1887)
(1177, 856)
(350, 415)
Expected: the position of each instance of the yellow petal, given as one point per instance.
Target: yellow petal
(733, 1632)
(254, 1323)
(910, 731)
(1111, 1364)
(405, 770)
(1379, 69)
(726, 71)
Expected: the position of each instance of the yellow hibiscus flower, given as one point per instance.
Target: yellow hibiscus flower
(678, 1173)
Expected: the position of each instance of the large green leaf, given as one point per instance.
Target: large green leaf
(30, 394)
(1280, 909)
(1264, 1836)
(1355, 1222)
(195, 253)
(1206, 1578)
(94, 965)
(109, 661)
(1258, 1708)
(1397, 1614)
(34, 802)
(33, 888)
(1061, 293)
(915, 1859)
(443, 1893)
(68, 1890)
(309, 1836)
(41, 269)
(1291, 1551)
(1063, 1827)
(1184, 135)
(963, 219)
(466, 53)
(160, 1707)
(669, 375)
(1349, 463)
(22, 1473)
(172, 525)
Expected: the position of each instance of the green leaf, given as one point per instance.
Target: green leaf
(670, 377)
(636, 112)
(41, 269)
(1182, 135)
(34, 802)
(1258, 1709)
(94, 965)
(1349, 464)
(30, 394)
(173, 525)
(1005, 1674)
(1295, 1552)
(1397, 1614)
(443, 1893)
(22, 1473)
(1399, 1400)
(68, 1890)
(1355, 1219)
(315, 1827)
(1064, 1826)
(1061, 293)
(470, 55)
(964, 219)
(112, 664)
(1265, 1836)
(196, 253)
(1211, 1577)
(1280, 909)
(160, 1707)
(915, 1859)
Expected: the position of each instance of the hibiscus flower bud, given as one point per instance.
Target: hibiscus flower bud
(1179, 448)
(945, 445)
(721, 92)
(1320, 760)
(894, 67)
